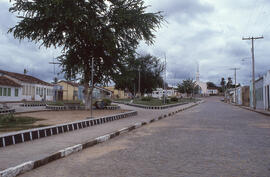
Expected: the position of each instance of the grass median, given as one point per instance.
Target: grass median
(10, 122)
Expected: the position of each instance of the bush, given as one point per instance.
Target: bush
(107, 102)
(174, 99)
(147, 98)
(7, 118)
(99, 104)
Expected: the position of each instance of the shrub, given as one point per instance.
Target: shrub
(147, 98)
(174, 99)
(7, 118)
(99, 104)
(107, 102)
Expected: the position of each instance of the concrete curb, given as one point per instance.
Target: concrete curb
(250, 109)
(151, 107)
(37, 133)
(28, 166)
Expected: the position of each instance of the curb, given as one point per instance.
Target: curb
(37, 133)
(250, 109)
(152, 107)
(30, 165)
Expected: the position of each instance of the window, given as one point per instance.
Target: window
(36, 90)
(16, 92)
(9, 91)
(0, 91)
(5, 92)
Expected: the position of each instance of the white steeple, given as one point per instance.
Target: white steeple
(198, 73)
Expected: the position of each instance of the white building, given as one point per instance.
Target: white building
(9, 90)
(202, 85)
(266, 90)
(32, 89)
(160, 92)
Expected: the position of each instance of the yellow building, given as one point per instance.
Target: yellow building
(70, 90)
(119, 94)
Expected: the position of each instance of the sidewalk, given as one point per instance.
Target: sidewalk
(261, 111)
(37, 149)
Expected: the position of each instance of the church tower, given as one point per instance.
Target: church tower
(198, 73)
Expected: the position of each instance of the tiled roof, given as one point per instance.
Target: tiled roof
(104, 89)
(25, 78)
(4, 81)
(74, 84)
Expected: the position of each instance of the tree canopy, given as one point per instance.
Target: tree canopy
(106, 31)
(188, 86)
(150, 69)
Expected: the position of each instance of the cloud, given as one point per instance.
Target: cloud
(197, 31)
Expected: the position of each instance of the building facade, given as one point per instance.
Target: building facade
(259, 94)
(32, 88)
(9, 90)
(117, 94)
(70, 90)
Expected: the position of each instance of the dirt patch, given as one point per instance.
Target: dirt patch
(59, 117)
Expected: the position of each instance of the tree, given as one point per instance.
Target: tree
(105, 31)
(150, 69)
(223, 84)
(188, 86)
(211, 85)
(229, 83)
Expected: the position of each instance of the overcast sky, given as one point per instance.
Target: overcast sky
(208, 32)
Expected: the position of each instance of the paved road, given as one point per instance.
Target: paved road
(34, 150)
(212, 139)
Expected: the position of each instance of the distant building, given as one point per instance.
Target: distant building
(202, 85)
(212, 90)
(98, 93)
(70, 90)
(29, 88)
(159, 92)
(117, 93)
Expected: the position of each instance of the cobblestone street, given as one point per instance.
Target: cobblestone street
(212, 139)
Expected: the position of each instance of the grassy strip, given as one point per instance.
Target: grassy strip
(158, 102)
(10, 122)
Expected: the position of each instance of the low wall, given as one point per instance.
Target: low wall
(151, 107)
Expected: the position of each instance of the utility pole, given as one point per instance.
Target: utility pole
(92, 87)
(235, 69)
(253, 67)
(164, 83)
(139, 84)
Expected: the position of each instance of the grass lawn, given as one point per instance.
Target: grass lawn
(10, 123)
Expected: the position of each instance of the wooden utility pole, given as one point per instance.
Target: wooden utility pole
(235, 69)
(253, 67)
(164, 83)
(139, 84)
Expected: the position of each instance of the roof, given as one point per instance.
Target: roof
(8, 82)
(104, 89)
(24, 78)
(74, 84)
(212, 88)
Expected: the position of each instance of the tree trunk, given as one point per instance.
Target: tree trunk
(87, 90)
(87, 96)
